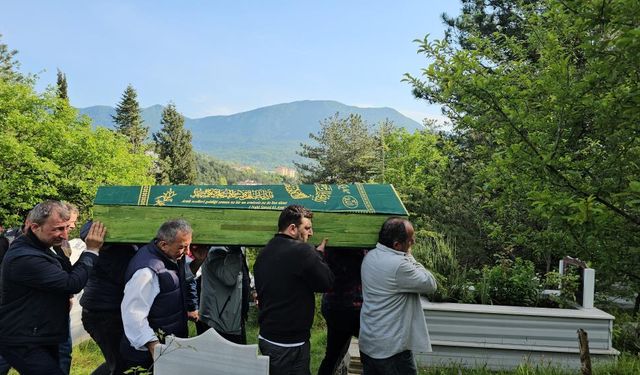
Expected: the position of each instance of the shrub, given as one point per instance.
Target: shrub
(568, 283)
(438, 255)
(509, 282)
(626, 333)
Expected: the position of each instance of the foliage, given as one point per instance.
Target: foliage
(173, 146)
(438, 255)
(626, 333)
(211, 171)
(568, 284)
(48, 152)
(128, 119)
(414, 164)
(346, 152)
(489, 19)
(61, 84)
(547, 111)
(509, 282)
(8, 64)
(430, 172)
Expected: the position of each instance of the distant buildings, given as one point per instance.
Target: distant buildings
(286, 172)
(247, 182)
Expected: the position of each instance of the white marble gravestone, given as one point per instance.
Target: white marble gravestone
(208, 353)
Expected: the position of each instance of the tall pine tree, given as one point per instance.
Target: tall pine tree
(173, 145)
(8, 64)
(62, 86)
(492, 20)
(128, 119)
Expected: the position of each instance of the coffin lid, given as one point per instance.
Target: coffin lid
(347, 198)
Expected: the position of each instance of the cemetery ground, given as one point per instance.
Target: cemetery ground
(87, 356)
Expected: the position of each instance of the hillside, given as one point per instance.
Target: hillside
(265, 137)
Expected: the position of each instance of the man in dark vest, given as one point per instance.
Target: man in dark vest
(34, 312)
(155, 297)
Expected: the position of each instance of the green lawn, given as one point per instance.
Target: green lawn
(87, 356)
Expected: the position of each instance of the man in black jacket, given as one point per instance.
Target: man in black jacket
(287, 272)
(101, 300)
(34, 308)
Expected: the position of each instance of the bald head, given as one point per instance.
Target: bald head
(397, 233)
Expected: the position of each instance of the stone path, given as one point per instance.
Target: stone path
(78, 334)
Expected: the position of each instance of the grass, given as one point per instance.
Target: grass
(318, 337)
(626, 364)
(87, 356)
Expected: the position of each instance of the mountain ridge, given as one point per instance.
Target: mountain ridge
(265, 137)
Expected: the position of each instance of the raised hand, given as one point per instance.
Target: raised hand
(95, 238)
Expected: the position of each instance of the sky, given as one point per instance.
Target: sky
(224, 57)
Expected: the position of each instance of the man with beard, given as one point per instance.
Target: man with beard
(287, 272)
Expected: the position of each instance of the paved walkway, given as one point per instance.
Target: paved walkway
(78, 334)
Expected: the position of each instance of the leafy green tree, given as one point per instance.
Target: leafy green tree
(414, 159)
(173, 146)
(211, 171)
(128, 119)
(49, 152)
(346, 152)
(433, 173)
(497, 220)
(62, 86)
(557, 108)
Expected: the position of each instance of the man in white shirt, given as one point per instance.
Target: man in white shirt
(392, 323)
(155, 295)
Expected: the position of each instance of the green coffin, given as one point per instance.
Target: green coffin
(350, 215)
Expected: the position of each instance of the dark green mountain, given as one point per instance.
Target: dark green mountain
(265, 137)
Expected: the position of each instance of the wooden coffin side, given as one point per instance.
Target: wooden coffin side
(136, 224)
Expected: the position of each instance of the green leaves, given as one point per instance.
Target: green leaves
(544, 98)
(345, 151)
(50, 153)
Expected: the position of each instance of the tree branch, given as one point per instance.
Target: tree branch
(553, 170)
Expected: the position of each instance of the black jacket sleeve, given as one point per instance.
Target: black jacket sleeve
(43, 273)
(315, 270)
